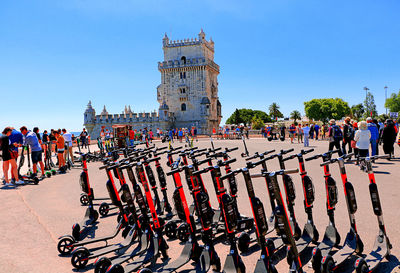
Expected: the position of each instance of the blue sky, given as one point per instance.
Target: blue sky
(57, 55)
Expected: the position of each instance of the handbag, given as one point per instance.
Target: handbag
(353, 144)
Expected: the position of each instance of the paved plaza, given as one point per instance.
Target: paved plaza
(33, 217)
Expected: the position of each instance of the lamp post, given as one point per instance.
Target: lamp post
(366, 95)
(386, 97)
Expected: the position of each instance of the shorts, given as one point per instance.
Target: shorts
(14, 154)
(36, 156)
(60, 151)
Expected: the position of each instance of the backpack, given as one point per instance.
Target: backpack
(337, 132)
(350, 131)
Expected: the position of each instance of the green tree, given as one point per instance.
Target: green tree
(257, 122)
(325, 109)
(369, 105)
(357, 111)
(274, 111)
(246, 116)
(393, 102)
(295, 115)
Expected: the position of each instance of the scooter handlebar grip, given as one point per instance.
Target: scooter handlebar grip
(268, 152)
(290, 171)
(231, 149)
(309, 151)
(287, 151)
(257, 175)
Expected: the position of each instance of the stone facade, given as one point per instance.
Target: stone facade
(188, 93)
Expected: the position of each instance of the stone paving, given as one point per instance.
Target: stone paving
(34, 216)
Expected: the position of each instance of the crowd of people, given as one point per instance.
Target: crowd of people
(363, 138)
(11, 140)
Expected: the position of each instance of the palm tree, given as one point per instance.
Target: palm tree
(274, 111)
(295, 115)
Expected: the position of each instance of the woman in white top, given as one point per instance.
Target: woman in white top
(362, 138)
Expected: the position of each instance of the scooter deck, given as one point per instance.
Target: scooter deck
(139, 250)
(347, 250)
(96, 240)
(183, 259)
(127, 242)
(378, 253)
(305, 238)
(327, 243)
(152, 253)
(329, 240)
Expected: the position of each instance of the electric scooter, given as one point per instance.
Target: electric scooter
(67, 243)
(382, 245)
(30, 177)
(331, 236)
(353, 243)
(82, 255)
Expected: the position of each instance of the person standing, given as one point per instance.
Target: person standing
(348, 135)
(306, 132)
(299, 134)
(389, 138)
(131, 136)
(16, 139)
(335, 136)
(316, 130)
(292, 131)
(68, 143)
(374, 135)
(8, 157)
(83, 137)
(36, 150)
(283, 131)
(362, 138)
(312, 131)
(60, 142)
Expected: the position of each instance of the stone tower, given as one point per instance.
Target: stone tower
(188, 92)
(89, 117)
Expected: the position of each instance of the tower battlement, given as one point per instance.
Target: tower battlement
(200, 40)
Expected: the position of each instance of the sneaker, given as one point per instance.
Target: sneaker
(19, 182)
(9, 184)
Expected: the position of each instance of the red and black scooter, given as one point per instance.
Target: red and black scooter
(352, 243)
(382, 245)
(331, 236)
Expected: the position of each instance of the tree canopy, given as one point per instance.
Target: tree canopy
(357, 111)
(295, 115)
(393, 102)
(246, 116)
(325, 109)
(274, 111)
(369, 105)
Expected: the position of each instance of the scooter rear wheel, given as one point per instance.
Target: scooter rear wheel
(361, 266)
(64, 246)
(170, 230)
(79, 258)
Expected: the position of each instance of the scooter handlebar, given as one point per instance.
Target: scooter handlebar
(232, 173)
(329, 153)
(290, 157)
(372, 157)
(202, 171)
(214, 150)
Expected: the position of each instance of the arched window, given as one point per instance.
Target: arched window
(183, 59)
(183, 107)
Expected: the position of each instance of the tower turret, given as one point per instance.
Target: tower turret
(89, 117)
